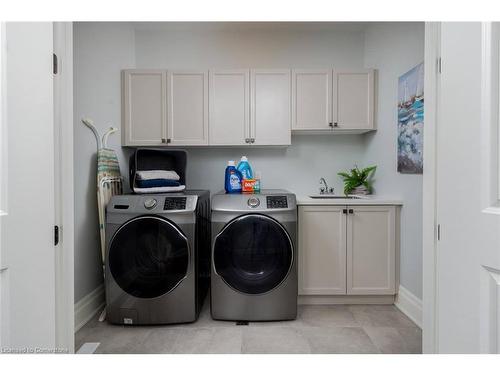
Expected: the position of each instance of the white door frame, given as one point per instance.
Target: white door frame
(64, 191)
(430, 180)
(4, 328)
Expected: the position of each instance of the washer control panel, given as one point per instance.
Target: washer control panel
(174, 203)
(276, 201)
(149, 204)
(253, 202)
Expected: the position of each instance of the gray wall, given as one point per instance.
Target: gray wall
(103, 49)
(393, 49)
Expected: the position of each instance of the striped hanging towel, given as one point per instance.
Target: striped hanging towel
(109, 183)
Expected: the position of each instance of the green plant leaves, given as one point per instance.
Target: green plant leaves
(358, 177)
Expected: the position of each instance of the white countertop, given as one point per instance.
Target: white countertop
(370, 200)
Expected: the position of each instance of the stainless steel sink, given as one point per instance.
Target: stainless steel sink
(332, 196)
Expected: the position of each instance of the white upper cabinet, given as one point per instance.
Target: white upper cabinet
(270, 107)
(312, 99)
(144, 107)
(229, 119)
(371, 250)
(236, 107)
(331, 100)
(187, 96)
(353, 99)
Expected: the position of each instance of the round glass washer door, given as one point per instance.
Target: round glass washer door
(148, 256)
(253, 254)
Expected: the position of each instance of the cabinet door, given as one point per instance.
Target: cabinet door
(371, 250)
(311, 99)
(270, 104)
(353, 99)
(187, 107)
(229, 120)
(322, 250)
(144, 107)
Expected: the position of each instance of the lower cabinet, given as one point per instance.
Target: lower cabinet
(347, 250)
(322, 250)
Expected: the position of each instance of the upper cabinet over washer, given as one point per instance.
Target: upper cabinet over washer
(229, 114)
(239, 107)
(163, 107)
(270, 115)
(331, 100)
(144, 112)
(187, 107)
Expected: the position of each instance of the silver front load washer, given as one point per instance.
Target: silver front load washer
(254, 256)
(157, 257)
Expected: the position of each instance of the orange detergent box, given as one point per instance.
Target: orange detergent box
(248, 185)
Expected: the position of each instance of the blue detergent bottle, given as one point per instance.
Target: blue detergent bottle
(245, 168)
(233, 178)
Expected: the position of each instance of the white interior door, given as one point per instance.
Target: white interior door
(4, 307)
(468, 214)
(28, 226)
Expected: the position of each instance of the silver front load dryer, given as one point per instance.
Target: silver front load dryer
(254, 256)
(157, 257)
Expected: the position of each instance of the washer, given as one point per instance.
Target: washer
(254, 256)
(157, 257)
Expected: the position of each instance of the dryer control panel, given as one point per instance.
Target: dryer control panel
(174, 203)
(276, 201)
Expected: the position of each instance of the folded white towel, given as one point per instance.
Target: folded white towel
(161, 189)
(157, 174)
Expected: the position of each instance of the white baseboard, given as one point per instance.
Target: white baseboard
(88, 306)
(345, 300)
(409, 305)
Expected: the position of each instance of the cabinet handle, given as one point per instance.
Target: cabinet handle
(168, 140)
(247, 140)
(330, 124)
(351, 211)
(344, 211)
(335, 124)
(163, 140)
(252, 140)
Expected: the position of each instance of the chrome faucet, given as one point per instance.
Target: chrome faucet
(324, 189)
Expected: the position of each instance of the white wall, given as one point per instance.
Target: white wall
(102, 50)
(393, 49)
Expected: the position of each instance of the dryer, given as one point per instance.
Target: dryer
(157, 257)
(254, 256)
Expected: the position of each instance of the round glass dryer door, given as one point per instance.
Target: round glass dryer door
(148, 256)
(253, 254)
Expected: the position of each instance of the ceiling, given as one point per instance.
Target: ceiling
(252, 26)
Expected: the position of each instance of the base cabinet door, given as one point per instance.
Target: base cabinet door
(353, 100)
(270, 107)
(371, 250)
(322, 250)
(229, 116)
(187, 106)
(144, 107)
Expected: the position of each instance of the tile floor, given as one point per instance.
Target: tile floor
(318, 329)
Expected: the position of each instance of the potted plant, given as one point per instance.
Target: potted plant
(358, 181)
